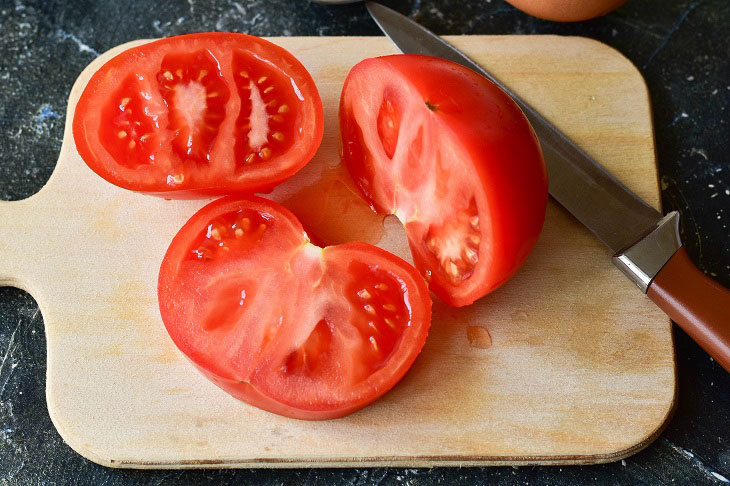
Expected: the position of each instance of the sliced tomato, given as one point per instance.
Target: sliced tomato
(454, 158)
(284, 325)
(198, 115)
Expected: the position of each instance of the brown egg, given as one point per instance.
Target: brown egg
(567, 10)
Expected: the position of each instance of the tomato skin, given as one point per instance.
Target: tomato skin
(155, 164)
(499, 160)
(363, 352)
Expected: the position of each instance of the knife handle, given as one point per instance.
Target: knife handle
(696, 303)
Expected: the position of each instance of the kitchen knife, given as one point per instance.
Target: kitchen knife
(646, 245)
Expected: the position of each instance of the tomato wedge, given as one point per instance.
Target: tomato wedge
(454, 158)
(284, 325)
(199, 115)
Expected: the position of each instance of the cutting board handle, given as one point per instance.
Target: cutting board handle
(13, 242)
(696, 303)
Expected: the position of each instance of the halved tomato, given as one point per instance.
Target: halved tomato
(284, 325)
(198, 115)
(454, 158)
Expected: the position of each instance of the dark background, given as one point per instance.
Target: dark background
(682, 49)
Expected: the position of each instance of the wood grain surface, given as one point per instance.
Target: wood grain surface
(567, 363)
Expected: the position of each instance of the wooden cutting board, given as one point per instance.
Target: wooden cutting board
(580, 367)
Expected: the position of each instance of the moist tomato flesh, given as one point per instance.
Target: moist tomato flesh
(286, 326)
(201, 114)
(455, 160)
(131, 133)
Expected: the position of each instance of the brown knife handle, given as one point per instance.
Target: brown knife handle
(696, 303)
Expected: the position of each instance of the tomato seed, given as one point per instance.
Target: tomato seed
(389, 307)
(374, 343)
(369, 309)
(122, 134)
(175, 179)
(364, 294)
(278, 136)
(283, 109)
(471, 255)
(452, 269)
(432, 244)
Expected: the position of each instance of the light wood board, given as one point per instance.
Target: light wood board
(581, 368)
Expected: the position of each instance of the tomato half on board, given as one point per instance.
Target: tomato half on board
(454, 158)
(286, 326)
(198, 115)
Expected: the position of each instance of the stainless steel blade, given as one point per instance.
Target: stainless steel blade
(601, 202)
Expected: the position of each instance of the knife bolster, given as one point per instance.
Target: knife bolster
(643, 260)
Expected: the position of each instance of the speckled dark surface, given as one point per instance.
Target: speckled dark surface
(681, 47)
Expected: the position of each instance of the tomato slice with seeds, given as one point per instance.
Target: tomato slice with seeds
(199, 115)
(454, 158)
(284, 325)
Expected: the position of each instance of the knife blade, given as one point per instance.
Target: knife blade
(646, 245)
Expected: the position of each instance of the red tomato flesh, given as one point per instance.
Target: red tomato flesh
(284, 325)
(198, 115)
(454, 158)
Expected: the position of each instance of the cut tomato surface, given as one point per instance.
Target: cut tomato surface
(199, 114)
(455, 159)
(284, 325)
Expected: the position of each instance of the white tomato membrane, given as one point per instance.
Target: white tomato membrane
(191, 102)
(259, 120)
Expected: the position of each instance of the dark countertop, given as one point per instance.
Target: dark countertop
(682, 49)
